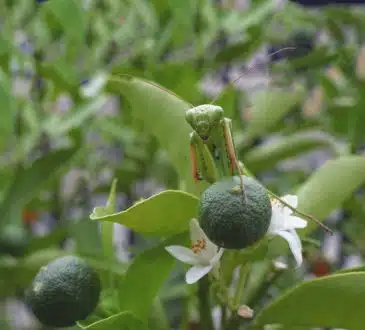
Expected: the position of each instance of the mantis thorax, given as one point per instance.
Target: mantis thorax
(204, 118)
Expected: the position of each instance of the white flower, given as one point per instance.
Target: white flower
(203, 255)
(284, 223)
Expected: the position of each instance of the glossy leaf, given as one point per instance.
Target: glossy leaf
(334, 301)
(136, 294)
(266, 156)
(269, 107)
(330, 186)
(124, 320)
(163, 115)
(165, 213)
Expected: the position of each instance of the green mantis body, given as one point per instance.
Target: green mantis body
(211, 143)
(212, 150)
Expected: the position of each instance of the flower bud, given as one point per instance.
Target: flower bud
(245, 312)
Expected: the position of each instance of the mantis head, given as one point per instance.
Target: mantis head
(204, 118)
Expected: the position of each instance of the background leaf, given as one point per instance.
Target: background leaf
(166, 213)
(7, 109)
(163, 115)
(29, 180)
(269, 107)
(70, 16)
(267, 155)
(333, 301)
(329, 187)
(136, 294)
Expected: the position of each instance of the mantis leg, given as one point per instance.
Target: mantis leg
(203, 166)
(231, 151)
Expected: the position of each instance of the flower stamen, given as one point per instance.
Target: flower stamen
(199, 245)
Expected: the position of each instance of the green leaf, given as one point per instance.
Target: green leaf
(107, 229)
(7, 109)
(110, 207)
(62, 75)
(28, 181)
(333, 301)
(124, 320)
(357, 119)
(5, 51)
(158, 319)
(59, 125)
(241, 50)
(256, 15)
(52, 239)
(319, 57)
(269, 107)
(136, 294)
(330, 186)
(69, 15)
(163, 115)
(86, 236)
(266, 156)
(166, 213)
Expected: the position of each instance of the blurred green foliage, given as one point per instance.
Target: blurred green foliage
(88, 52)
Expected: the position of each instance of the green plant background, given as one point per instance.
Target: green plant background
(96, 90)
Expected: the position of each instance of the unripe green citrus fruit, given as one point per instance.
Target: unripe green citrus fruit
(14, 240)
(229, 220)
(63, 292)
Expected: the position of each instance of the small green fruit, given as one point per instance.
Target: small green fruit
(229, 220)
(14, 240)
(64, 291)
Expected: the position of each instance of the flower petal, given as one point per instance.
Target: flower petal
(217, 257)
(276, 219)
(195, 273)
(297, 222)
(183, 254)
(294, 243)
(292, 200)
(196, 233)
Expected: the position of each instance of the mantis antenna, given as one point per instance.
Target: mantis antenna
(244, 73)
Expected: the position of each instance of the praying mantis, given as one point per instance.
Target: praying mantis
(212, 149)
(213, 153)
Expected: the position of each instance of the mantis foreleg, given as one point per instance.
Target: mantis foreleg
(201, 159)
(231, 151)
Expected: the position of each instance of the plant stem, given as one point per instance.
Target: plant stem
(240, 286)
(234, 320)
(206, 322)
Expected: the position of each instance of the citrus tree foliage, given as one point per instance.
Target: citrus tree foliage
(149, 57)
